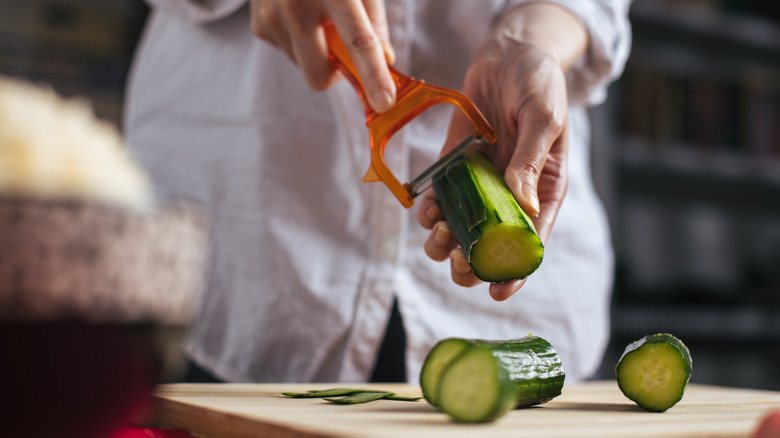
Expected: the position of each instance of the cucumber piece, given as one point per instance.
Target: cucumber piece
(476, 388)
(654, 371)
(497, 237)
(481, 380)
(440, 356)
(534, 367)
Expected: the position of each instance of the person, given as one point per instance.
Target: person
(317, 276)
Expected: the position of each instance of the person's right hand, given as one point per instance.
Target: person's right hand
(296, 27)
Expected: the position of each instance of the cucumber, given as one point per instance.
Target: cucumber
(479, 381)
(497, 237)
(440, 356)
(654, 371)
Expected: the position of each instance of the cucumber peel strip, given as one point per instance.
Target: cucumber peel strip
(333, 392)
(359, 397)
(350, 396)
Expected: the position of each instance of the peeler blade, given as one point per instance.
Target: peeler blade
(465, 148)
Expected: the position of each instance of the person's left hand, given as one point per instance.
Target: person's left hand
(521, 90)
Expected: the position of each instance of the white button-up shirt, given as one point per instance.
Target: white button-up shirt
(306, 257)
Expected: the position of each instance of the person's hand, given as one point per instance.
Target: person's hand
(521, 89)
(296, 27)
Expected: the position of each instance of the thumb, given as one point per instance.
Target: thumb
(522, 177)
(536, 137)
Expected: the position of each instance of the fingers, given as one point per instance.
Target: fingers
(441, 245)
(295, 27)
(502, 291)
(538, 130)
(440, 242)
(366, 48)
(378, 17)
(552, 186)
(460, 270)
(428, 213)
(310, 49)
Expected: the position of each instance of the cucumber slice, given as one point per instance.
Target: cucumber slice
(654, 371)
(479, 380)
(497, 237)
(476, 388)
(440, 356)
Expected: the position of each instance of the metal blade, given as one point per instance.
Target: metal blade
(459, 152)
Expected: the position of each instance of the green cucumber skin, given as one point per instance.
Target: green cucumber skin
(661, 338)
(466, 213)
(530, 372)
(454, 202)
(533, 366)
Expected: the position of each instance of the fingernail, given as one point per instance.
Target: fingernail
(459, 263)
(381, 101)
(433, 212)
(442, 235)
(530, 195)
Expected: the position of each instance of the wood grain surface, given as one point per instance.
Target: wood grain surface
(593, 409)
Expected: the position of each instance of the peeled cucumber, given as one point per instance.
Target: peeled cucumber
(497, 237)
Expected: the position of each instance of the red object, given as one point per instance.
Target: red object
(142, 432)
(769, 426)
(73, 380)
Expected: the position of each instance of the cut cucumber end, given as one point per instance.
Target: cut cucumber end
(654, 372)
(475, 388)
(506, 252)
(497, 236)
(440, 356)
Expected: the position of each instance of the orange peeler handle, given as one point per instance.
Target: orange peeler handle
(413, 96)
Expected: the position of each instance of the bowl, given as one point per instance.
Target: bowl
(94, 302)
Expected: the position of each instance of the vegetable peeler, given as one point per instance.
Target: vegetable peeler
(413, 96)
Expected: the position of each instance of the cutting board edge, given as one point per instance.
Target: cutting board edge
(166, 413)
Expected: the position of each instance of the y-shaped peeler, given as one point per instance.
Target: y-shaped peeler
(413, 96)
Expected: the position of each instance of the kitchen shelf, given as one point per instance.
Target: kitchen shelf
(688, 146)
(713, 29)
(681, 171)
(748, 323)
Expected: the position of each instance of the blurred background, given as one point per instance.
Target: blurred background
(686, 158)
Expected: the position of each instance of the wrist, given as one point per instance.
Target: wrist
(546, 26)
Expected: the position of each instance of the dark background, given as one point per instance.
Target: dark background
(686, 159)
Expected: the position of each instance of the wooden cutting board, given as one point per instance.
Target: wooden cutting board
(593, 409)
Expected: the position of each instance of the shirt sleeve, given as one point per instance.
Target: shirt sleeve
(198, 11)
(610, 42)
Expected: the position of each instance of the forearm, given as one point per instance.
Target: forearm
(550, 27)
